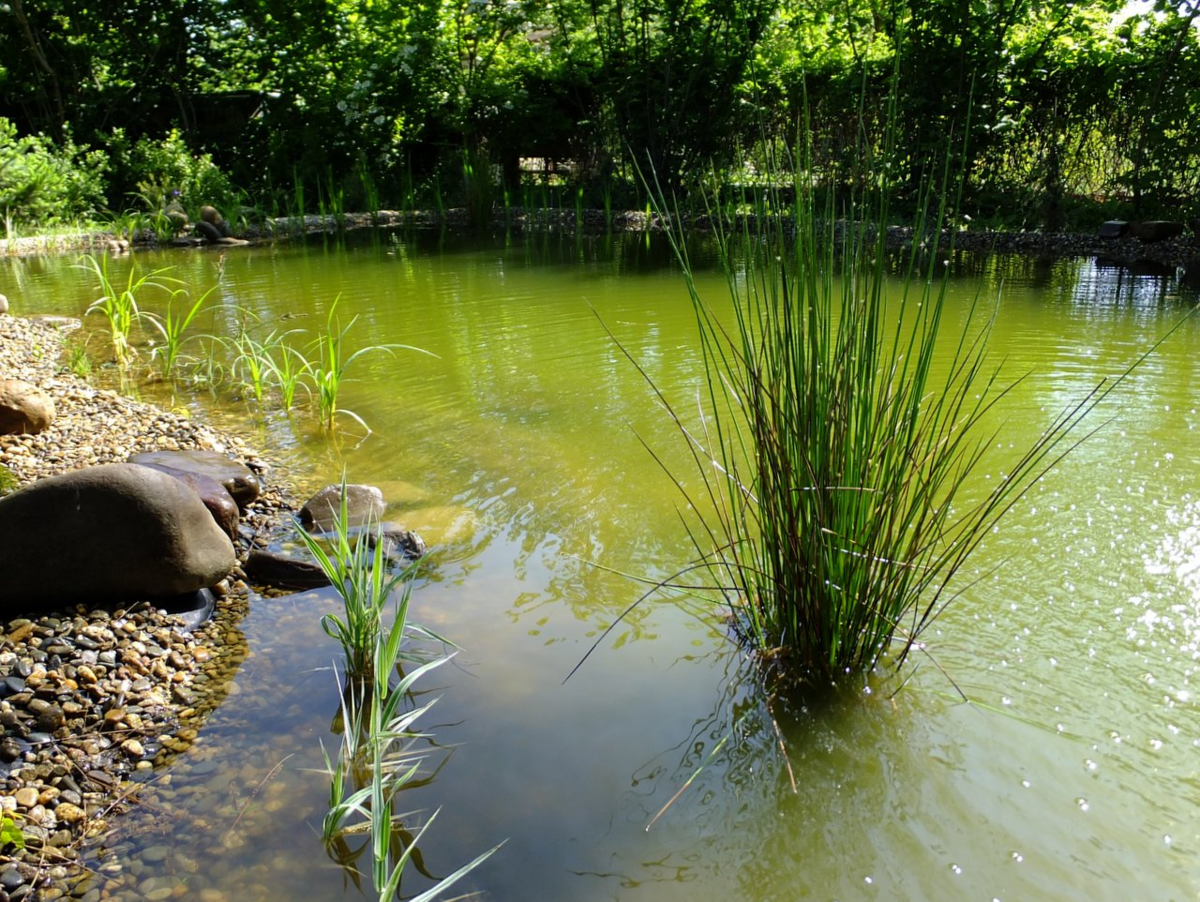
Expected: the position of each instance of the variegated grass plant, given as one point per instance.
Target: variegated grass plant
(375, 760)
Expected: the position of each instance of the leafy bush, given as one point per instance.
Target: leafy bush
(155, 168)
(42, 183)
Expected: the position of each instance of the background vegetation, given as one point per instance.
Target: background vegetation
(1070, 110)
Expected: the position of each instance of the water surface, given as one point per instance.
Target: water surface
(1074, 774)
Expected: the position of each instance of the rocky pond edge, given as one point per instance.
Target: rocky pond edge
(93, 699)
(1169, 245)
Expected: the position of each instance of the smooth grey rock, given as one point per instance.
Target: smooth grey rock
(110, 533)
(270, 569)
(1114, 228)
(1156, 230)
(24, 408)
(364, 505)
(238, 479)
(216, 498)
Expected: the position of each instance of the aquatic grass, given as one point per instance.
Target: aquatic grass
(288, 369)
(119, 306)
(172, 327)
(375, 760)
(841, 423)
(358, 570)
(329, 362)
(376, 763)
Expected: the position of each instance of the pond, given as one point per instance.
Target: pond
(1073, 772)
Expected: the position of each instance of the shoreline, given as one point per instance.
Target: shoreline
(93, 700)
(1180, 251)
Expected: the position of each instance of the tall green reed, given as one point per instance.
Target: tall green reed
(375, 761)
(844, 419)
(119, 305)
(329, 362)
(172, 327)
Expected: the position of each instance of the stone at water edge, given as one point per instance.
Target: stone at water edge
(1156, 230)
(216, 498)
(116, 532)
(238, 479)
(270, 569)
(364, 506)
(3, 304)
(24, 408)
(1114, 228)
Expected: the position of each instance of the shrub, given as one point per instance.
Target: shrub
(42, 183)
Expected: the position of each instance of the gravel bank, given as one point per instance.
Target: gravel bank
(91, 697)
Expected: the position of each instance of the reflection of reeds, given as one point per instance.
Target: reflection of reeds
(375, 760)
(840, 428)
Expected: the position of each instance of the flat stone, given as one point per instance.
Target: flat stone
(1114, 228)
(238, 479)
(271, 569)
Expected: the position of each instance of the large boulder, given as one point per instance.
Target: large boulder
(214, 495)
(364, 506)
(116, 532)
(238, 479)
(24, 408)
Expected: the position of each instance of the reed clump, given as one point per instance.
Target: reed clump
(842, 421)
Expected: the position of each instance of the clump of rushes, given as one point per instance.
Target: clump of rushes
(120, 305)
(831, 512)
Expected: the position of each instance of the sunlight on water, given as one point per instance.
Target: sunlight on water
(1070, 774)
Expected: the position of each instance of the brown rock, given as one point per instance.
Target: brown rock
(238, 479)
(24, 408)
(114, 532)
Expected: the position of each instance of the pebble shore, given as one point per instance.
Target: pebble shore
(92, 699)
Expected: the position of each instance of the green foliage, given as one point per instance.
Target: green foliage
(120, 305)
(158, 170)
(43, 182)
(8, 481)
(78, 360)
(369, 106)
(841, 425)
(10, 833)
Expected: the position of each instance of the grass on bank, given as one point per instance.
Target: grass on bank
(842, 423)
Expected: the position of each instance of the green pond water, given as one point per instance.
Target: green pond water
(1074, 775)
